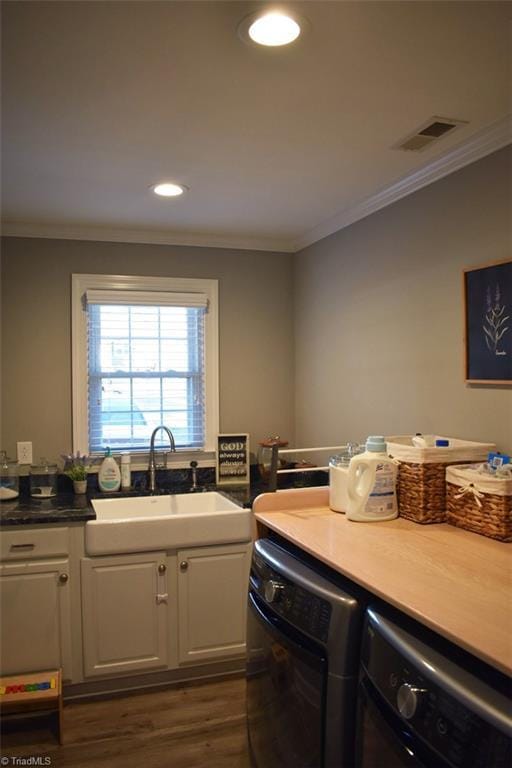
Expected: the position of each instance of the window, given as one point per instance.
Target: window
(144, 354)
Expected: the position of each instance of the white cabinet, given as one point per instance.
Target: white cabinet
(35, 630)
(212, 598)
(125, 613)
(119, 614)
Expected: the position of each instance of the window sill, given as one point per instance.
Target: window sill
(164, 459)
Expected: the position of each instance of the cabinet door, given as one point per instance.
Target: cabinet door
(35, 631)
(212, 599)
(124, 613)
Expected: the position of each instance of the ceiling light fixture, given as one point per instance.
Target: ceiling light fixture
(272, 29)
(168, 189)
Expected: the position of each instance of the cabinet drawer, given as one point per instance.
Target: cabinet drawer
(30, 544)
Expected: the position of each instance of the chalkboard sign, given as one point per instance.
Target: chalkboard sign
(488, 316)
(233, 459)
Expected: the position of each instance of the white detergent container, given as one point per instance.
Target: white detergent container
(371, 486)
(338, 479)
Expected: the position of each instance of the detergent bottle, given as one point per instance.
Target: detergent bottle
(371, 484)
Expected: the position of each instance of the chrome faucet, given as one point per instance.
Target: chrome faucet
(152, 465)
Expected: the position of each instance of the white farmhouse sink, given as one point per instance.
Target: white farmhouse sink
(165, 522)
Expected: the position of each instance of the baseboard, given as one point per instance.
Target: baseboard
(153, 680)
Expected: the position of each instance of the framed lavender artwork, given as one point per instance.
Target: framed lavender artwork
(488, 323)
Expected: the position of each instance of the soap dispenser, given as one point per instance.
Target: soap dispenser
(109, 476)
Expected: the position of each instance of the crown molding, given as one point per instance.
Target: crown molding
(486, 141)
(57, 231)
(482, 143)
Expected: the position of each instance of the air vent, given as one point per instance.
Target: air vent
(429, 132)
(437, 129)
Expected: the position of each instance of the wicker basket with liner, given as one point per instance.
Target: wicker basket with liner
(481, 503)
(421, 484)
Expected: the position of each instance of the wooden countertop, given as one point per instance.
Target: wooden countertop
(457, 583)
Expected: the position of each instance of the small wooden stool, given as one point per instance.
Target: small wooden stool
(36, 692)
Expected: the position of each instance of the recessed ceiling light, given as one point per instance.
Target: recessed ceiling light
(168, 189)
(273, 28)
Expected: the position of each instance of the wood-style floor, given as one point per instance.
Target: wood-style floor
(200, 725)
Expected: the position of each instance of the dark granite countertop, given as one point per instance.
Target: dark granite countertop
(68, 507)
(63, 508)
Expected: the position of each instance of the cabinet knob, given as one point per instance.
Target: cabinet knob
(183, 565)
(63, 577)
(162, 568)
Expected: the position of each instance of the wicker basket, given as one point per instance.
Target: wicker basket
(421, 485)
(479, 503)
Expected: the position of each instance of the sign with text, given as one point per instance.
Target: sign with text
(233, 459)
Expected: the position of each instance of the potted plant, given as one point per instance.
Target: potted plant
(76, 467)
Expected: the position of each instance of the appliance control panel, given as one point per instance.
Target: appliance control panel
(304, 610)
(449, 727)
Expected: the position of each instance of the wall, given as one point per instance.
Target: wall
(255, 328)
(379, 317)
(378, 323)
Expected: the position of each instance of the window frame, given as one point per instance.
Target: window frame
(80, 284)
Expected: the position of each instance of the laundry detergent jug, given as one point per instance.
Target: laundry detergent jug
(371, 484)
